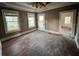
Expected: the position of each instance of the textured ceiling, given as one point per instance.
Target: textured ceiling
(27, 6)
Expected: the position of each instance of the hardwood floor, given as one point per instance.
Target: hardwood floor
(40, 44)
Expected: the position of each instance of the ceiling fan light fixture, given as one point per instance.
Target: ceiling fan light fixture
(39, 4)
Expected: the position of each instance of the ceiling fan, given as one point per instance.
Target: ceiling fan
(39, 4)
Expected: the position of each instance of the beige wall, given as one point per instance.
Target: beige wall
(52, 21)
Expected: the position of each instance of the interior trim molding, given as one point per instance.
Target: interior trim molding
(58, 33)
(53, 32)
(16, 35)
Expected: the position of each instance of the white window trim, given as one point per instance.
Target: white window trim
(5, 24)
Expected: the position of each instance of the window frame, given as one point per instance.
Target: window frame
(5, 23)
(31, 15)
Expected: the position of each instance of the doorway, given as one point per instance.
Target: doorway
(41, 22)
(66, 23)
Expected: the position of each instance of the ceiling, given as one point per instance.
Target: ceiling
(27, 6)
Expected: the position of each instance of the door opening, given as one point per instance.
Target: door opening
(66, 23)
(41, 22)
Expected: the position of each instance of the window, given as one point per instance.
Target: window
(68, 20)
(31, 20)
(11, 22)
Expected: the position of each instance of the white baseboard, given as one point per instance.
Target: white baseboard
(19, 34)
(52, 32)
(59, 33)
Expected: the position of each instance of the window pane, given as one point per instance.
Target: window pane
(11, 18)
(11, 26)
(31, 21)
(12, 23)
(8, 18)
(68, 20)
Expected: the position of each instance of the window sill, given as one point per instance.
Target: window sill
(17, 35)
(12, 31)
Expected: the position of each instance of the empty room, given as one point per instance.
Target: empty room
(39, 28)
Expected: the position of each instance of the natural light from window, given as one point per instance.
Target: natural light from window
(31, 20)
(12, 23)
(68, 20)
